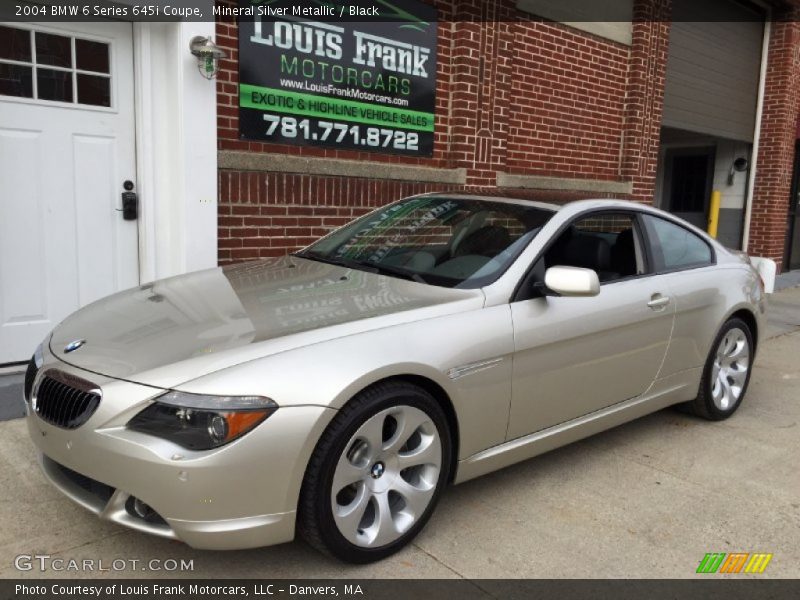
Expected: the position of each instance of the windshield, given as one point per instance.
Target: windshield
(450, 242)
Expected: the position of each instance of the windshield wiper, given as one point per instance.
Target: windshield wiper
(399, 272)
(338, 261)
(370, 267)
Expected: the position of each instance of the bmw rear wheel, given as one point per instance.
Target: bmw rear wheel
(376, 474)
(726, 373)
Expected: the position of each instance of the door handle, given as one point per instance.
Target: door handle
(130, 202)
(658, 302)
(130, 206)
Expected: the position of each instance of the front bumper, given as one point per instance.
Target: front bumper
(111, 505)
(241, 495)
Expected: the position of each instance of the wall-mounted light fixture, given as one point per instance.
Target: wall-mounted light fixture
(208, 55)
(739, 166)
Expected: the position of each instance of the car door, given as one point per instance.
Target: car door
(687, 263)
(574, 356)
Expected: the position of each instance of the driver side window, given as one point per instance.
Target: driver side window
(607, 243)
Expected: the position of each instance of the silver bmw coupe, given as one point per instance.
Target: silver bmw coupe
(336, 392)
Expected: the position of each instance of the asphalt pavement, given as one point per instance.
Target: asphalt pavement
(647, 499)
(11, 406)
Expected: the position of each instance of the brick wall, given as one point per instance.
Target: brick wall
(272, 214)
(647, 68)
(482, 67)
(568, 90)
(777, 141)
(513, 95)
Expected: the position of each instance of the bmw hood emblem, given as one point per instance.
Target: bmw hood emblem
(73, 345)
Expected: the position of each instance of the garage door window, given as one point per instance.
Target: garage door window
(54, 68)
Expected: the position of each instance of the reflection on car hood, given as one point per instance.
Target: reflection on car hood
(224, 316)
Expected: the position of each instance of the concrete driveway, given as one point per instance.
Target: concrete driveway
(648, 499)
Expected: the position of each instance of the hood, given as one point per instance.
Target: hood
(213, 319)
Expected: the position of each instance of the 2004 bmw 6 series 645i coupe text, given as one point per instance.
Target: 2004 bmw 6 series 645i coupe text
(338, 390)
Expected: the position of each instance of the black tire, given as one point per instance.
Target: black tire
(703, 406)
(315, 520)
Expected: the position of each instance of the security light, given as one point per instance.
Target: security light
(738, 166)
(208, 55)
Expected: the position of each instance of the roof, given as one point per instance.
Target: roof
(556, 205)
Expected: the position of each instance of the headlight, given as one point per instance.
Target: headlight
(200, 422)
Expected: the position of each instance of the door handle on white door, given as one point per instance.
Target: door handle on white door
(658, 302)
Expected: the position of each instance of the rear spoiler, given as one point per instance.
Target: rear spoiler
(765, 267)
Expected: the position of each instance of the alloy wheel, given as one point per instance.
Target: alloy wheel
(729, 372)
(386, 476)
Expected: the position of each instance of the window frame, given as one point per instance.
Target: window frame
(524, 289)
(654, 247)
(34, 65)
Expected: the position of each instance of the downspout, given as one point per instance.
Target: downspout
(751, 182)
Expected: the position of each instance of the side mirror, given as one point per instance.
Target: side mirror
(572, 281)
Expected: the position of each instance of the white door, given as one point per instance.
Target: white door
(66, 147)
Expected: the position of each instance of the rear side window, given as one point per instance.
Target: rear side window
(675, 247)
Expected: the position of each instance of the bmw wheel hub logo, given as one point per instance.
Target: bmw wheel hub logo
(377, 470)
(74, 345)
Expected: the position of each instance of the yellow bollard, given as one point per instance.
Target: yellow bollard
(713, 213)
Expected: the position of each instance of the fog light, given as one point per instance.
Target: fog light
(136, 508)
(141, 509)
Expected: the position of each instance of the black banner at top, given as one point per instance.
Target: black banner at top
(478, 11)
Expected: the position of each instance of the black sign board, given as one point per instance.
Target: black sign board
(324, 74)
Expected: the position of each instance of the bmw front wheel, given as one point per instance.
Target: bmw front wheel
(376, 473)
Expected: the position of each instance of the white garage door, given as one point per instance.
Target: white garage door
(66, 147)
